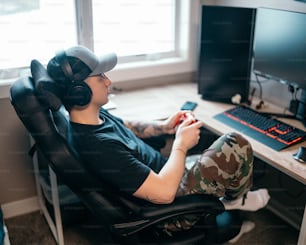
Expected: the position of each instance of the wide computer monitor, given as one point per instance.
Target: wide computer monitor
(280, 49)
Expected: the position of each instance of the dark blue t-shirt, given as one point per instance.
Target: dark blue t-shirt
(115, 154)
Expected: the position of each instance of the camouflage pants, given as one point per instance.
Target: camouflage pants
(225, 169)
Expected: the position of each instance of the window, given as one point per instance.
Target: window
(134, 27)
(137, 30)
(34, 29)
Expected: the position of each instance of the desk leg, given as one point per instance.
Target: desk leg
(302, 236)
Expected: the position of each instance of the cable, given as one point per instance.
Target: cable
(251, 96)
(261, 102)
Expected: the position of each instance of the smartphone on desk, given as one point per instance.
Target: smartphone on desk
(189, 106)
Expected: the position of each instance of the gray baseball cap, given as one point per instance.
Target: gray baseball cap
(96, 64)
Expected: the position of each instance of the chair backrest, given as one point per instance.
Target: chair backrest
(37, 105)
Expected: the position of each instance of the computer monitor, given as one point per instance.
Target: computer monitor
(280, 49)
(280, 45)
(225, 55)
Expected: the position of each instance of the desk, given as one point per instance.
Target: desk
(162, 101)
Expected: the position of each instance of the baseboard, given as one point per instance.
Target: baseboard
(20, 207)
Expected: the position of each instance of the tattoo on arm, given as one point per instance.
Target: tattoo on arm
(143, 129)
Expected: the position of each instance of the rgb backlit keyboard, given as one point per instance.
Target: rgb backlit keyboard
(269, 131)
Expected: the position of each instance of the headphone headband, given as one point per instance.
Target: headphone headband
(61, 58)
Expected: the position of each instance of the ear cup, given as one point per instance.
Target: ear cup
(79, 94)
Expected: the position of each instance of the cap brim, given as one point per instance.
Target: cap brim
(106, 63)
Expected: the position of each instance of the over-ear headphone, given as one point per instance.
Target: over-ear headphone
(79, 93)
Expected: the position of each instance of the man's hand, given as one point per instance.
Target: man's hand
(186, 116)
(188, 133)
(170, 125)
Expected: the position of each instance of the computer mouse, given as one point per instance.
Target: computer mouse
(300, 155)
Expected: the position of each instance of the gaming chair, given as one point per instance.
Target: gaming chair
(128, 219)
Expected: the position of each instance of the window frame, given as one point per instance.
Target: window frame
(140, 66)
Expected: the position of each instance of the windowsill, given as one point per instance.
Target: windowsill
(150, 69)
(130, 71)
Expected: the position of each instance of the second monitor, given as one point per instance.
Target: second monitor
(225, 53)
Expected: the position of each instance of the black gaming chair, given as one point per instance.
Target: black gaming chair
(128, 219)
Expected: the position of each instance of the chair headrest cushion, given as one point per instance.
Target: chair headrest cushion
(47, 90)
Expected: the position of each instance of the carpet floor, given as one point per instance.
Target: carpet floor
(32, 229)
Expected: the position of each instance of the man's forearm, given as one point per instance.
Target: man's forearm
(145, 129)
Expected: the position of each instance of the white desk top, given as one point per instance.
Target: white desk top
(163, 101)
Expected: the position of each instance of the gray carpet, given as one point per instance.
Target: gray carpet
(32, 229)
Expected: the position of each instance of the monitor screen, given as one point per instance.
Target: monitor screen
(280, 46)
(226, 46)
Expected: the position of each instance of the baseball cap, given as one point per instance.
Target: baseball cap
(96, 64)
(89, 65)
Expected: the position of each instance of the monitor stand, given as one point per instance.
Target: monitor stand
(300, 114)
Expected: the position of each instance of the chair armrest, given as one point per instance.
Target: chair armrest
(155, 213)
(185, 204)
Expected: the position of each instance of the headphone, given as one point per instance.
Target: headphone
(79, 93)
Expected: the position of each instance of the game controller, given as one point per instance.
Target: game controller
(185, 116)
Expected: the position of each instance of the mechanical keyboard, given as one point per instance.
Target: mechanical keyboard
(263, 128)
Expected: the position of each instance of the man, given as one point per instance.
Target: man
(113, 149)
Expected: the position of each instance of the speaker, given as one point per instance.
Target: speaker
(225, 53)
(78, 93)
